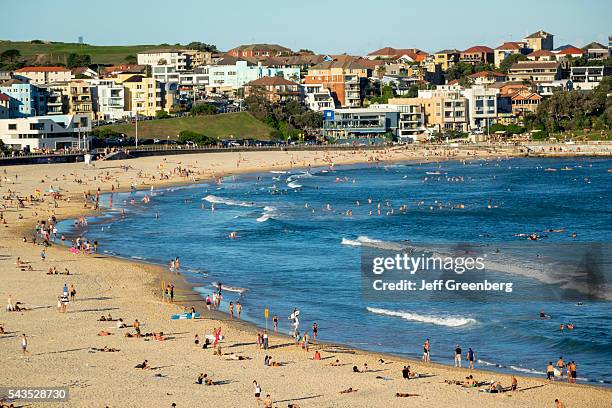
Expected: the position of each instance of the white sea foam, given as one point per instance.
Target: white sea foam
(527, 370)
(449, 321)
(229, 288)
(220, 200)
(268, 213)
(373, 243)
(293, 184)
(278, 172)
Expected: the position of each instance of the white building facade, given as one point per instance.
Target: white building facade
(46, 132)
(482, 106)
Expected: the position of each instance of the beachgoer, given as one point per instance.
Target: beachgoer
(315, 331)
(550, 372)
(426, 349)
(560, 366)
(24, 344)
(470, 357)
(457, 356)
(559, 403)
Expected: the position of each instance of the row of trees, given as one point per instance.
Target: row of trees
(292, 120)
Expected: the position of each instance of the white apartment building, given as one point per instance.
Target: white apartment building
(46, 132)
(410, 119)
(109, 99)
(231, 74)
(153, 58)
(43, 75)
(317, 97)
(588, 78)
(482, 106)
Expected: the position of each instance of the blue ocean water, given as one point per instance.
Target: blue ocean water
(296, 247)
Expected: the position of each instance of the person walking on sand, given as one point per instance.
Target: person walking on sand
(275, 322)
(72, 292)
(458, 356)
(426, 347)
(171, 293)
(470, 358)
(315, 331)
(238, 309)
(24, 344)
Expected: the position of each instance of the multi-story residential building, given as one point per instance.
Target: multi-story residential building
(69, 97)
(445, 108)
(360, 122)
(509, 48)
(175, 58)
(542, 55)
(230, 74)
(259, 51)
(317, 97)
(408, 54)
(479, 54)
(540, 40)
(43, 75)
(482, 106)
(4, 106)
(274, 89)
(197, 58)
(595, 50)
(344, 77)
(487, 77)
(5, 75)
(446, 58)
(534, 71)
(588, 78)
(568, 51)
(46, 132)
(143, 96)
(25, 99)
(524, 102)
(411, 118)
(109, 100)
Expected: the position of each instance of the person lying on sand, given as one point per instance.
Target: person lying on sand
(109, 318)
(234, 356)
(470, 382)
(2, 332)
(494, 388)
(143, 366)
(348, 391)
(104, 333)
(405, 394)
(336, 363)
(355, 369)
(159, 336)
(106, 349)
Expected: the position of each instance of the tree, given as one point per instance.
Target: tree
(203, 109)
(78, 60)
(195, 137)
(200, 46)
(131, 59)
(505, 65)
(10, 55)
(162, 114)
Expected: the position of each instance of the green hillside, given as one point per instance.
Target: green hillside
(240, 125)
(57, 52)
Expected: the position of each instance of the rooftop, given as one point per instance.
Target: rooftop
(534, 64)
(539, 34)
(271, 81)
(43, 69)
(511, 45)
(479, 48)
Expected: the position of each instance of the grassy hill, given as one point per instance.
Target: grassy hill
(59, 51)
(240, 125)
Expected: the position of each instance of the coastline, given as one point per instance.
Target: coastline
(245, 330)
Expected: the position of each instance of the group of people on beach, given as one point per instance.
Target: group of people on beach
(557, 370)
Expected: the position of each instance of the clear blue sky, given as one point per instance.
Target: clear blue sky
(325, 26)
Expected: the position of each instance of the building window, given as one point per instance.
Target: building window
(12, 126)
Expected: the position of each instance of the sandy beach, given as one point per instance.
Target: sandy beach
(62, 346)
